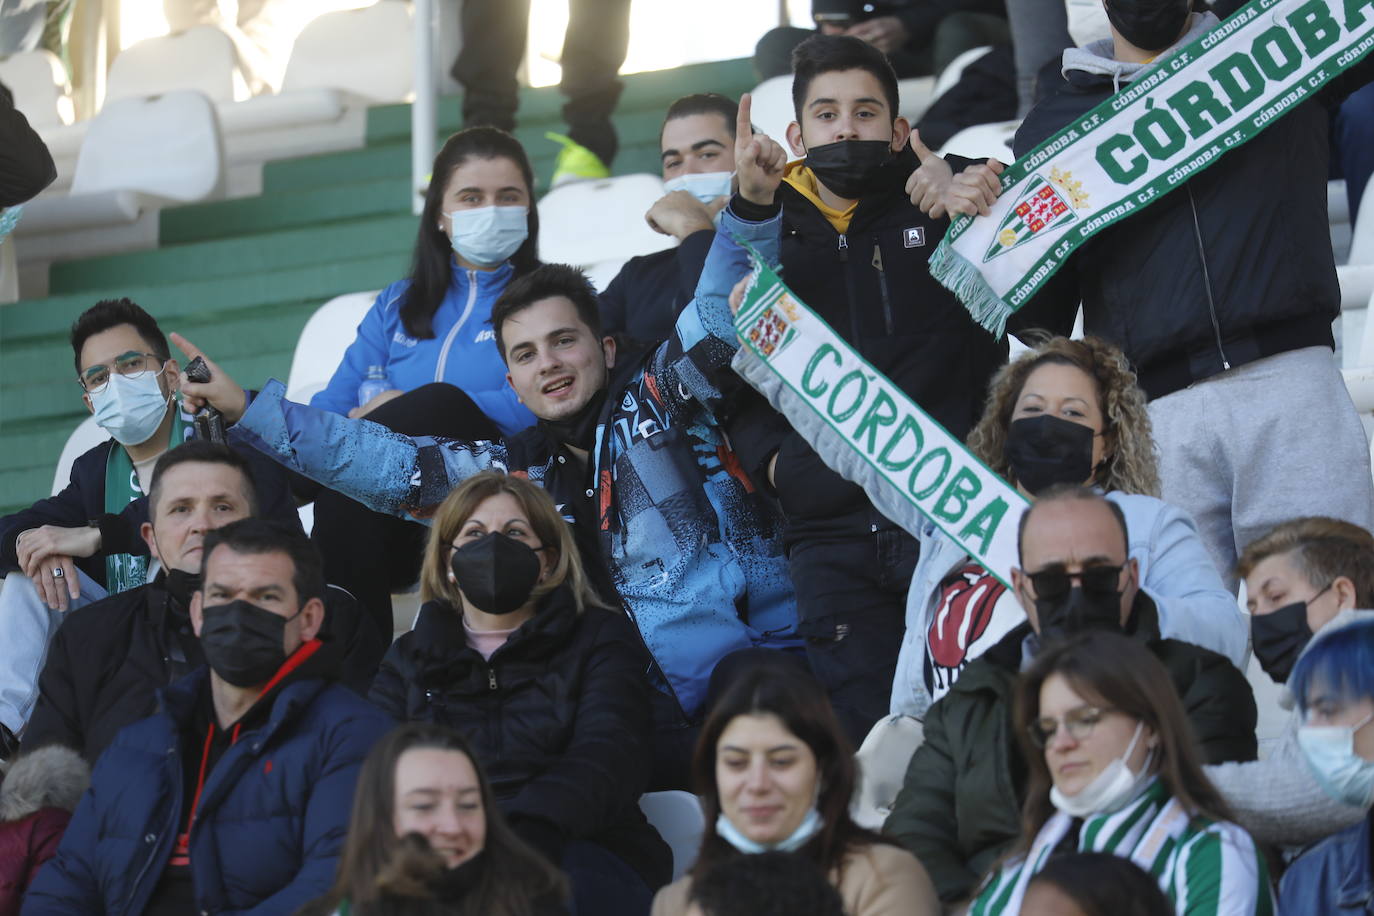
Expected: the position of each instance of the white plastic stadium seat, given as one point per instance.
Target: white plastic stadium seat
(621, 232)
(39, 84)
(914, 96)
(322, 343)
(84, 438)
(771, 108)
(201, 58)
(883, 760)
(983, 140)
(951, 74)
(367, 52)
(677, 817)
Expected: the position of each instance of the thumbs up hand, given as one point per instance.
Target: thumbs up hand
(937, 191)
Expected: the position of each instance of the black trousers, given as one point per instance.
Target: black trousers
(372, 554)
(851, 607)
(594, 47)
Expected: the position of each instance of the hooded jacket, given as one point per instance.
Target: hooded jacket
(1232, 266)
(665, 516)
(559, 717)
(462, 351)
(959, 809)
(36, 800)
(271, 819)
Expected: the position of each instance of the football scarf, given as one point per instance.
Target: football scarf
(1183, 115)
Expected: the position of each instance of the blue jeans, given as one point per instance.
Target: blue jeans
(1352, 144)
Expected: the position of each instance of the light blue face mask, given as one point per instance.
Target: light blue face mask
(488, 236)
(131, 409)
(809, 827)
(1342, 774)
(704, 186)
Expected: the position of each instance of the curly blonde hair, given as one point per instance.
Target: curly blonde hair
(1130, 463)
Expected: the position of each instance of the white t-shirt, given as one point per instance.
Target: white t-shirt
(973, 612)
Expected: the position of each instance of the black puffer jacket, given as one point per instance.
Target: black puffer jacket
(873, 286)
(1232, 266)
(559, 719)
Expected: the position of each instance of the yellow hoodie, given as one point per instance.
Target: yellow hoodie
(800, 177)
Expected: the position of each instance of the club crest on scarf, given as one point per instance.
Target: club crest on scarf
(1043, 204)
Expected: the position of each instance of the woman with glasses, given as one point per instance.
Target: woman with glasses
(513, 649)
(1065, 412)
(1333, 682)
(1112, 768)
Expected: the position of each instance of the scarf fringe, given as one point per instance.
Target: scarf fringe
(959, 275)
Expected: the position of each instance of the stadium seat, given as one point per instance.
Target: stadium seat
(366, 52)
(602, 273)
(883, 760)
(951, 74)
(617, 206)
(771, 108)
(201, 58)
(85, 437)
(41, 91)
(322, 343)
(983, 140)
(139, 155)
(677, 817)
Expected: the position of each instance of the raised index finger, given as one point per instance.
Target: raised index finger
(185, 346)
(744, 127)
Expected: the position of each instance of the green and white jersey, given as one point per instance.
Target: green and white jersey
(1206, 867)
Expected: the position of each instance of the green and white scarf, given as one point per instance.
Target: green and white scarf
(892, 442)
(1177, 118)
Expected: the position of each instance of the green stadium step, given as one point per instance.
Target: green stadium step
(236, 256)
(284, 210)
(654, 90)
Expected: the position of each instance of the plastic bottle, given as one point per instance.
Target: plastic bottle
(374, 383)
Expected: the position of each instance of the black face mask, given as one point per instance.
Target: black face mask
(578, 430)
(1280, 636)
(1151, 25)
(1046, 450)
(181, 586)
(243, 643)
(453, 884)
(848, 167)
(1077, 611)
(496, 573)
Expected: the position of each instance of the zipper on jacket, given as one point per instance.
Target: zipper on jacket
(1207, 278)
(442, 364)
(843, 246)
(491, 678)
(169, 826)
(882, 286)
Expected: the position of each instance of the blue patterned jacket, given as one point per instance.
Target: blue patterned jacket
(693, 550)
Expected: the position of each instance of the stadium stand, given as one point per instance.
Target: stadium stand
(248, 273)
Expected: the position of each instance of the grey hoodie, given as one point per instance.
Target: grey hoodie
(1096, 58)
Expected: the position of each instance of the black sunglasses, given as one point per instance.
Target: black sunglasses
(1055, 583)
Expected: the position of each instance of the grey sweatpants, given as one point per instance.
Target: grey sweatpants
(1266, 442)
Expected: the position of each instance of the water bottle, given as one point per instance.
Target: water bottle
(374, 383)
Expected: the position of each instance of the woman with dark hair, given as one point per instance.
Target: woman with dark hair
(427, 836)
(776, 772)
(425, 362)
(514, 650)
(1333, 682)
(1113, 769)
(1094, 884)
(1066, 411)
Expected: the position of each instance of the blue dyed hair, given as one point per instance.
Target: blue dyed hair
(1341, 661)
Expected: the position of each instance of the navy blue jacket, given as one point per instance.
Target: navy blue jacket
(83, 500)
(271, 821)
(1333, 877)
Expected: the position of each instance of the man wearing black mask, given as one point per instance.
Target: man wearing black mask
(1306, 576)
(855, 249)
(959, 809)
(108, 660)
(235, 795)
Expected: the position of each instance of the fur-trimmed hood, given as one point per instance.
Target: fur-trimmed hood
(50, 777)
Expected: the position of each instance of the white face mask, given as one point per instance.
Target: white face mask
(130, 409)
(809, 827)
(1110, 790)
(488, 236)
(1342, 774)
(1087, 21)
(704, 186)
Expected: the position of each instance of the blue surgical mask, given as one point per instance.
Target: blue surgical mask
(809, 827)
(488, 236)
(704, 186)
(1342, 774)
(131, 409)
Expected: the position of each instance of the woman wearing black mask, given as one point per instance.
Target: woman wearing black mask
(427, 837)
(514, 650)
(1067, 411)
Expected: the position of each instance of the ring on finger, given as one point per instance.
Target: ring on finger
(57, 572)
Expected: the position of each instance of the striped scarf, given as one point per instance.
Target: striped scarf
(1206, 867)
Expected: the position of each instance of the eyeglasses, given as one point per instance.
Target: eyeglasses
(1078, 722)
(1051, 584)
(132, 364)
